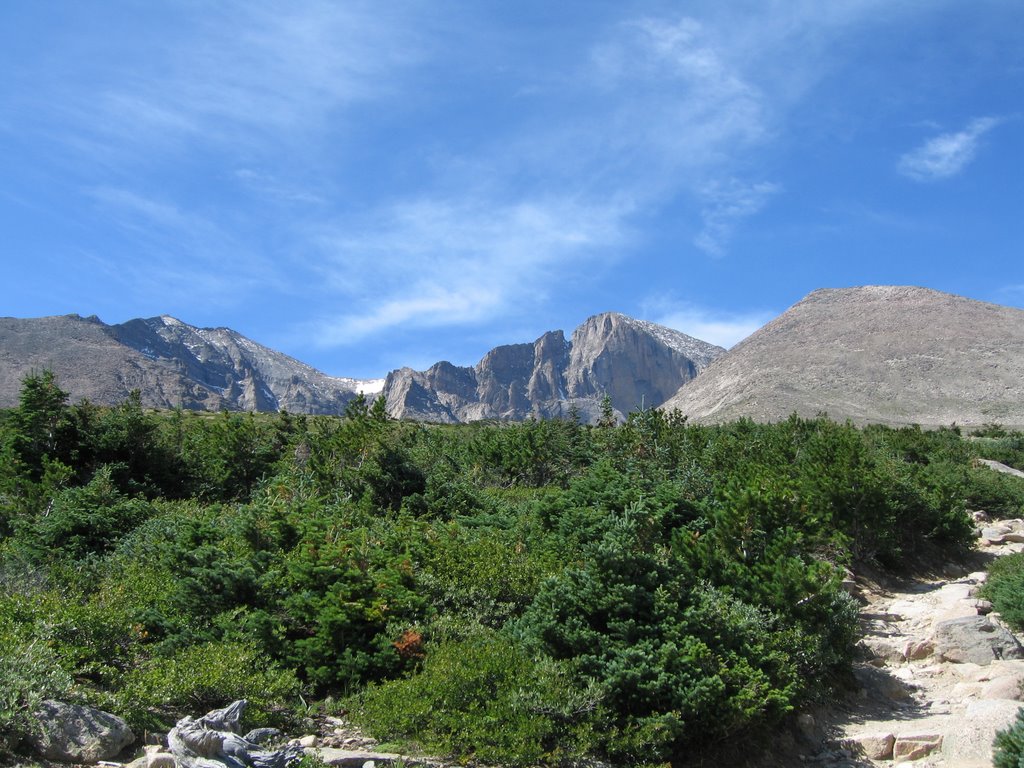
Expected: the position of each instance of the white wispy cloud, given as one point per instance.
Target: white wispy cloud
(947, 154)
(724, 206)
(679, 100)
(240, 76)
(432, 262)
(723, 328)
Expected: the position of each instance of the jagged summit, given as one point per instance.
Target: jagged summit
(889, 354)
(677, 340)
(635, 362)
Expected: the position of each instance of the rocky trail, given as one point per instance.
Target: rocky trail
(939, 673)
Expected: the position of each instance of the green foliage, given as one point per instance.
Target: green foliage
(88, 520)
(519, 593)
(997, 493)
(203, 677)
(30, 672)
(485, 698)
(1008, 747)
(350, 592)
(41, 426)
(485, 576)
(1005, 588)
(679, 662)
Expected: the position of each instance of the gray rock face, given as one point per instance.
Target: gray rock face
(638, 364)
(172, 364)
(71, 733)
(886, 354)
(975, 639)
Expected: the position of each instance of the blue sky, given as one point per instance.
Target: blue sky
(369, 185)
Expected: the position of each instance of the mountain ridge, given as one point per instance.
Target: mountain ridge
(898, 355)
(172, 364)
(635, 362)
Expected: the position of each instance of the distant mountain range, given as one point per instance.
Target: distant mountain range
(173, 364)
(896, 355)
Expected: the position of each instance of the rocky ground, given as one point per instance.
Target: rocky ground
(939, 672)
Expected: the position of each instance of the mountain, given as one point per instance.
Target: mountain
(889, 354)
(634, 362)
(171, 363)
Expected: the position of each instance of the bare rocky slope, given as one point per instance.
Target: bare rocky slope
(634, 362)
(171, 363)
(888, 354)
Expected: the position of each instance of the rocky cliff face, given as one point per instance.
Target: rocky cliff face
(634, 362)
(172, 363)
(886, 354)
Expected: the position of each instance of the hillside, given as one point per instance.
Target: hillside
(635, 362)
(888, 354)
(172, 364)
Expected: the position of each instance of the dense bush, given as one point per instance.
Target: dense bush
(1008, 748)
(30, 672)
(483, 697)
(1005, 588)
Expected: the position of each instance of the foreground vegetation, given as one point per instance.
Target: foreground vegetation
(517, 593)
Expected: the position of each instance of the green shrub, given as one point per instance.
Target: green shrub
(203, 677)
(1005, 588)
(995, 492)
(30, 672)
(1008, 747)
(485, 698)
(88, 520)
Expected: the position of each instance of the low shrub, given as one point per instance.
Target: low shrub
(1005, 588)
(29, 673)
(483, 697)
(1008, 748)
(203, 677)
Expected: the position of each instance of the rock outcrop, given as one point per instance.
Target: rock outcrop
(171, 363)
(72, 733)
(636, 363)
(885, 354)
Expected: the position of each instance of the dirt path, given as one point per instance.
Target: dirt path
(923, 698)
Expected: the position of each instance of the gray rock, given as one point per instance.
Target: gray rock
(358, 758)
(213, 741)
(263, 736)
(874, 746)
(160, 760)
(72, 733)
(975, 639)
(999, 467)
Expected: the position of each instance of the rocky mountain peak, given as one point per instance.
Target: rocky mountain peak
(634, 362)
